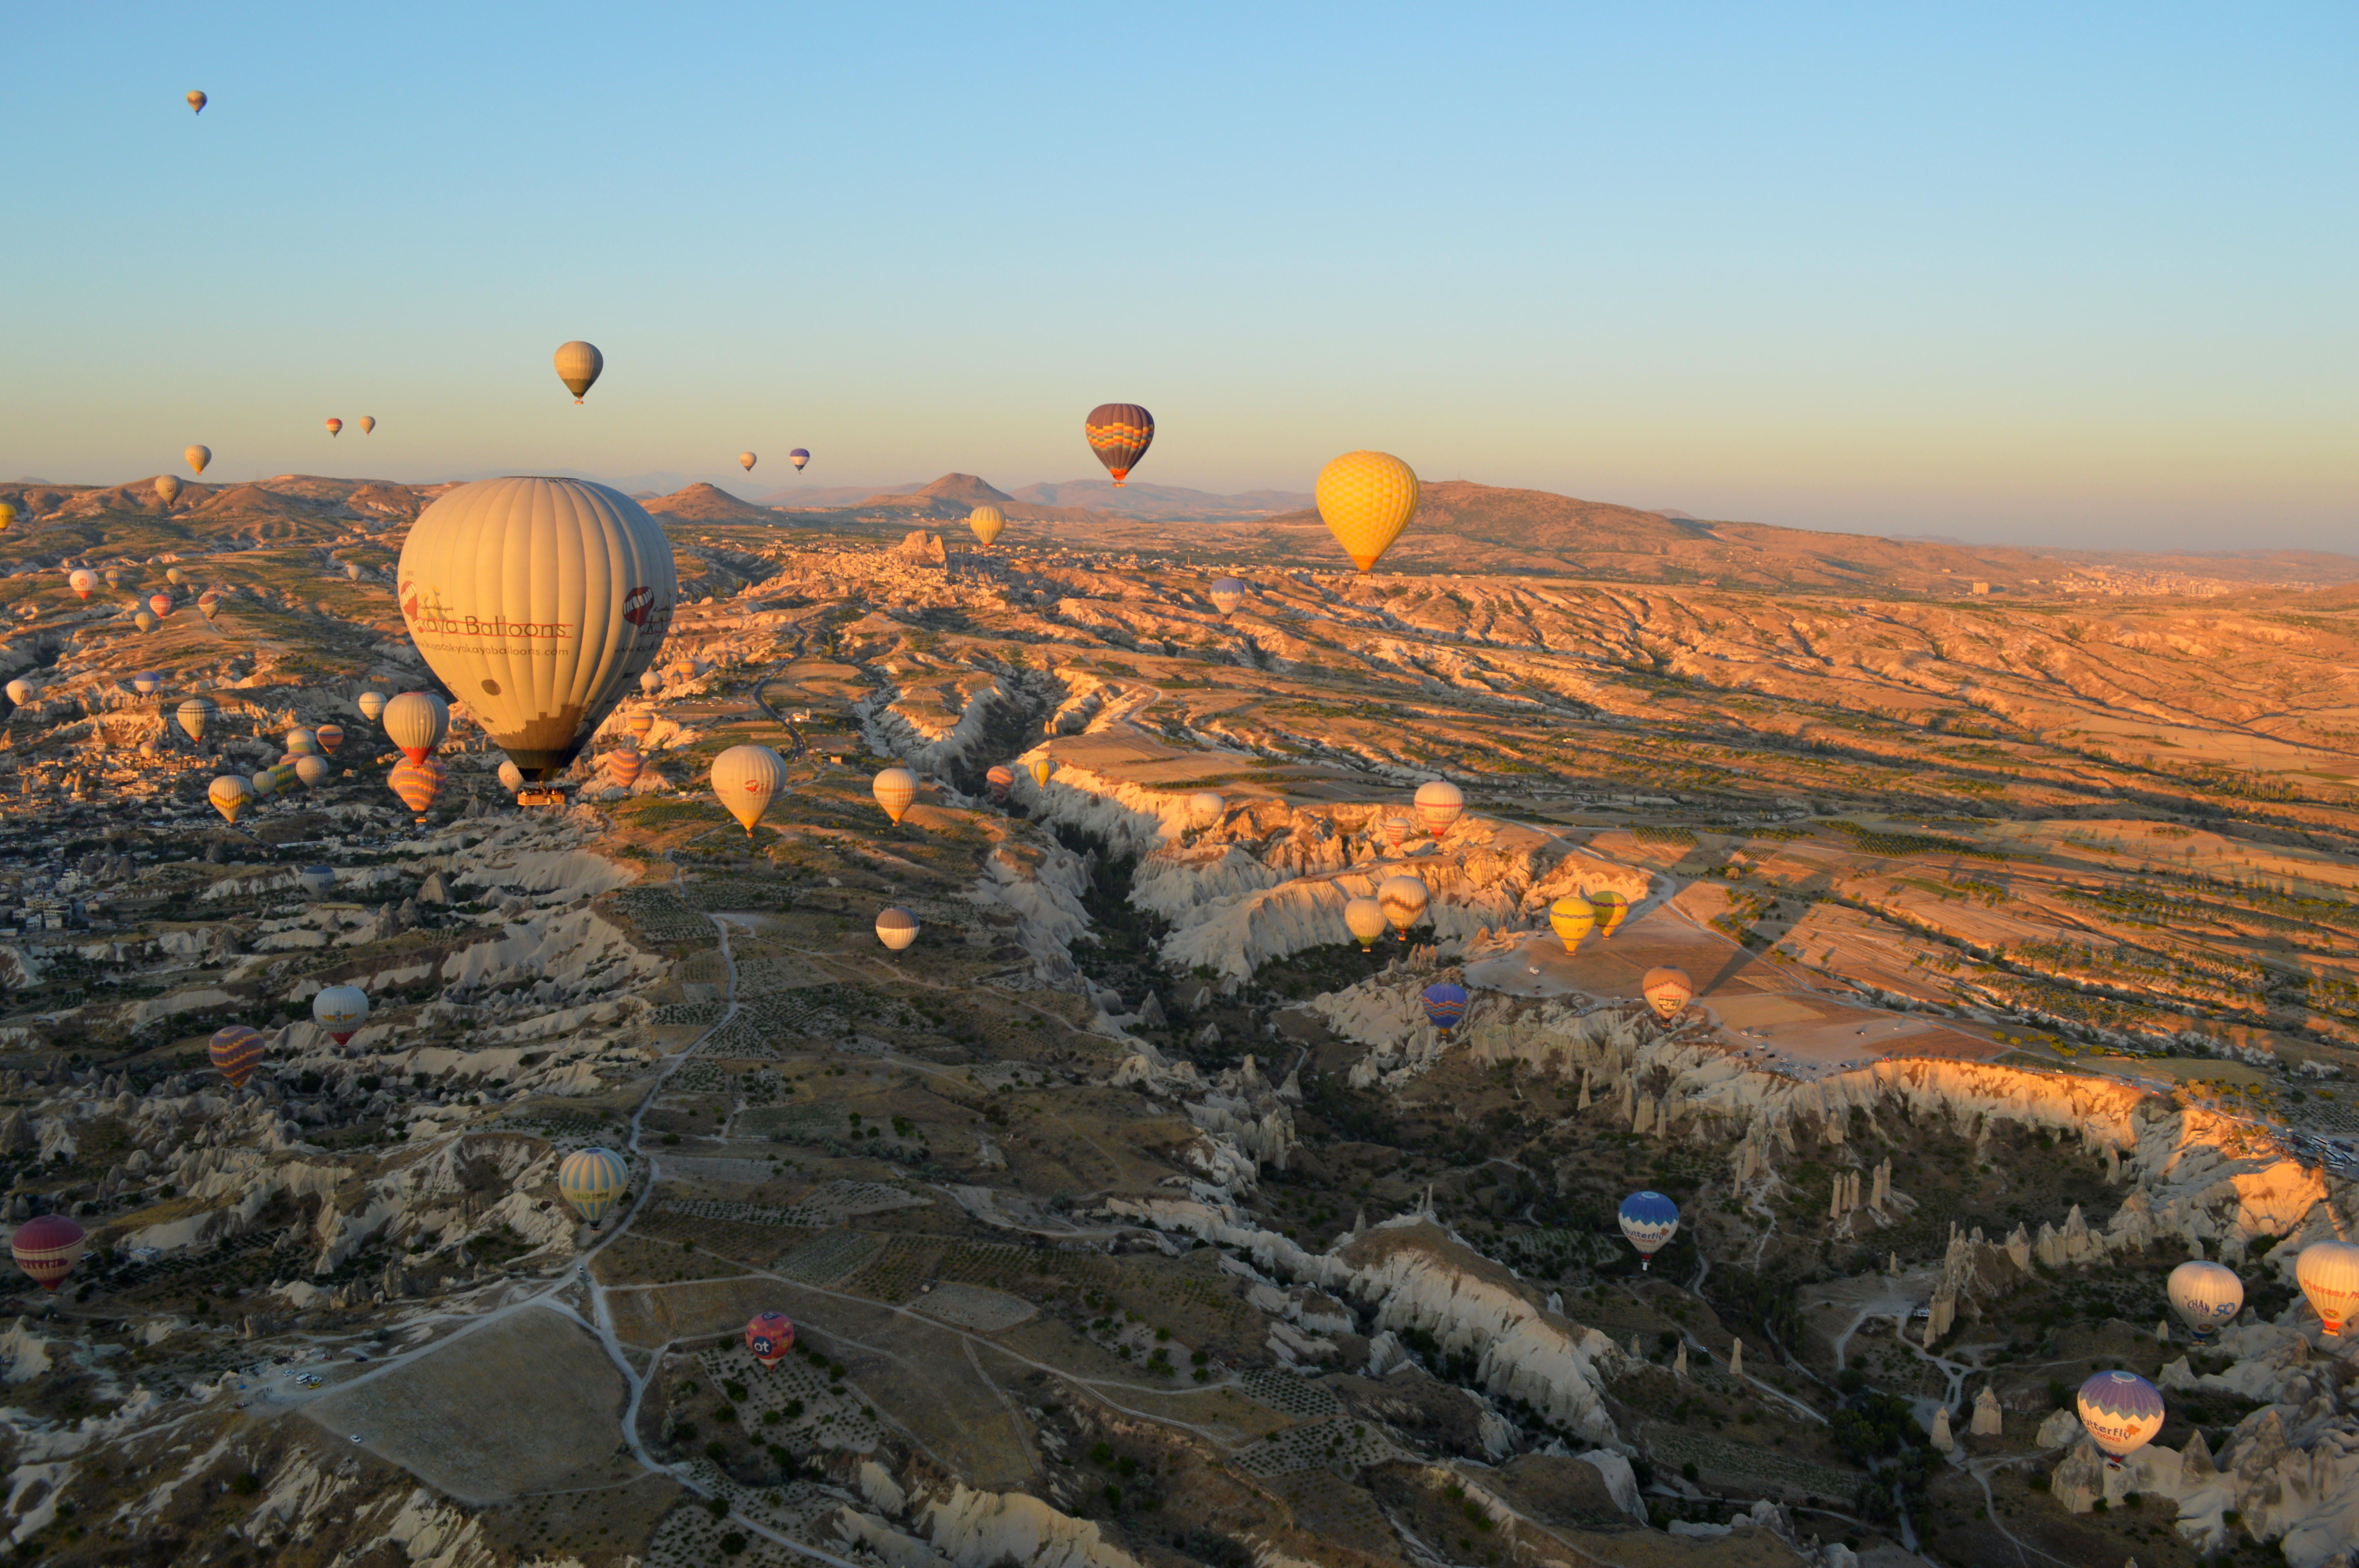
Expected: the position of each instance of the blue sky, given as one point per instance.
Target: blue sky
(2007, 272)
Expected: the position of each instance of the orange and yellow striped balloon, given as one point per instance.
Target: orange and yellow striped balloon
(235, 1052)
(1366, 499)
(418, 783)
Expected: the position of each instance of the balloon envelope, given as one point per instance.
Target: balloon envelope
(2121, 1411)
(8, 515)
(340, 1011)
(229, 795)
(1445, 1004)
(317, 880)
(265, 783)
(144, 621)
(578, 366)
(769, 1336)
(196, 101)
(1668, 991)
(209, 604)
(196, 715)
(329, 737)
(302, 743)
(168, 488)
(2207, 1296)
(368, 424)
(896, 790)
(416, 784)
(987, 523)
(1404, 899)
(2328, 1273)
(235, 1052)
(1364, 918)
(1649, 1220)
(20, 691)
(1041, 769)
(83, 581)
(745, 779)
(1000, 781)
(199, 456)
(147, 683)
(335, 426)
(1227, 593)
(1205, 806)
(537, 602)
(312, 771)
(511, 776)
(1119, 433)
(1439, 802)
(417, 721)
(47, 1248)
(799, 457)
(896, 928)
(372, 705)
(593, 1181)
(745, 461)
(623, 766)
(1612, 909)
(637, 725)
(1366, 499)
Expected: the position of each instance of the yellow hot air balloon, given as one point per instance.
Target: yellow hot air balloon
(1041, 769)
(8, 515)
(896, 790)
(229, 794)
(1668, 991)
(987, 523)
(368, 424)
(145, 622)
(1573, 918)
(539, 601)
(1364, 918)
(578, 365)
(196, 101)
(1366, 499)
(593, 1181)
(745, 779)
(1404, 899)
(745, 461)
(199, 456)
(1611, 908)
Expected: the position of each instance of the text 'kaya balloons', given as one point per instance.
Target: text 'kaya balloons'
(2122, 1413)
(769, 1336)
(47, 1248)
(1649, 1220)
(593, 1181)
(745, 779)
(340, 1011)
(1119, 433)
(2328, 1273)
(537, 602)
(1366, 499)
(578, 365)
(236, 1050)
(2207, 1296)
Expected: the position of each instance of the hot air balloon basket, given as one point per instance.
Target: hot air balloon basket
(542, 796)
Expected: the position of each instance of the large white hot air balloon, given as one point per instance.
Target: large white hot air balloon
(745, 779)
(2206, 1296)
(2329, 1274)
(539, 601)
(1439, 802)
(417, 721)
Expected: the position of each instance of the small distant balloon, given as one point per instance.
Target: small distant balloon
(1000, 782)
(47, 1247)
(368, 424)
(1205, 807)
(265, 783)
(20, 691)
(229, 794)
(83, 581)
(340, 1011)
(312, 771)
(175, 575)
(371, 703)
(769, 1336)
(329, 737)
(511, 777)
(196, 715)
(1227, 593)
(235, 1052)
(745, 461)
(196, 101)
(1119, 433)
(1648, 1222)
(745, 780)
(417, 721)
(1668, 991)
(147, 682)
(199, 456)
(578, 366)
(640, 726)
(799, 457)
(209, 604)
(2206, 1295)
(416, 781)
(8, 515)
(650, 683)
(1041, 769)
(317, 880)
(593, 1181)
(623, 764)
(1612, 909)
(2121, 1413)
(302, 743)
(168, 488)
(987, 523)
(896, 790)
(896, 928)
(335, 426)
(1445, 1004)
(160, 604)
(144, 621)
(1365, 918)
(2328, 1273)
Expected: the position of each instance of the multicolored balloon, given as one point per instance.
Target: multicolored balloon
(418, 783)
(896, 928)
(745, 779)
(593, 1181)
(229, 794)
(1366, 499)
(335, 426)
(1649, 1220)
(2121, 1411)
(1394, 827)
(147, 683)
(371, 703)
(1000, 782)
(1227, 593)
(417, 721)
(799, 457)
(1042, 770)
(340, 1011)
(209, 604)
(47, 1248)
(638, 726)
(769, 1336)
(1667, 990)
(2207, 1296)
(329, 737)
(302, 743)
(1119, 433)
(896, 790)
(623, 764)
(1445, 1004)
(237, 1052)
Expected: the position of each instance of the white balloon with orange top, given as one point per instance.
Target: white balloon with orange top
(2329, 1275)
(1439, 802)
